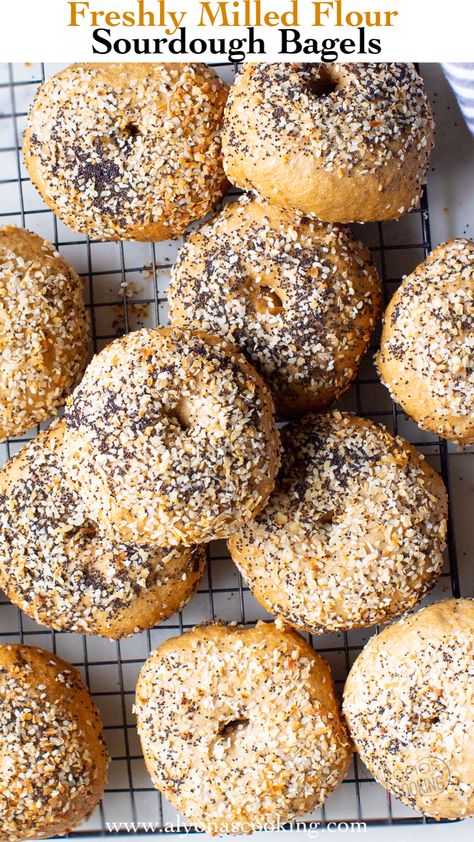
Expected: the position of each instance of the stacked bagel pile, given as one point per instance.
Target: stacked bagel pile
(170, 440)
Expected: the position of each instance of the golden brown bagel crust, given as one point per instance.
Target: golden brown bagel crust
(128, 151)
(240, 727)
(43, 330)
(427, 348)
(298, 297)
(353, 533)
(52, 753)
(171, 438)
(63, 570)
(347, 143)
(409, 702)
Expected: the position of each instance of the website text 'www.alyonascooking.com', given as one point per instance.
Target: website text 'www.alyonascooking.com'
(312, 828)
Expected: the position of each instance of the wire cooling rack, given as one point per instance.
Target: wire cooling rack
(126, 287)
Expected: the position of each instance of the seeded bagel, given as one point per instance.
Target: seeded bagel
(52, 753)
(43, 330)
(171, 438)
(240, 727)
(409, 703)
(353, 533)
(299, 298)
(128, 151)
(345, 142)
(64, 571)
(427, 348)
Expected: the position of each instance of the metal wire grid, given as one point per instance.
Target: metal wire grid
(126, 288)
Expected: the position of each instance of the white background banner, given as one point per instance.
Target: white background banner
(284, 30)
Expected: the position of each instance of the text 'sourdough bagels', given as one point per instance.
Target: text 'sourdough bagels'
(354, 531)
(240, 727)
(171, 438)
(43, 330)
(298, 297)
(128, 151)
(409, 702)
(426, 357)
(52, 752)
(345, 142)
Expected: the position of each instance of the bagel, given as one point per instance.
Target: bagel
(171, 438)
(409, 704)
(43, 330)
(128, 151)
(64, 571)
(345, 142)
(427, 347)
(240, 727)
(354, 531)
(299, 298)
(52, 752)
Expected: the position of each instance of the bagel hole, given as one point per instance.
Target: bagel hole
(324, 84)
(131, 131)
(85, 531)
(80, 539)
(181, 414)
(229, 728)
(268, 301)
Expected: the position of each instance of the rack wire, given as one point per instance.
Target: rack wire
(125, 289)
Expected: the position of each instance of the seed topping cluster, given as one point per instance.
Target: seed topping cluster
(299, 298)
(62, 568)
(124, 146)
(241, 726)
(354, 531)
(172, 437)
(43, 330)
(408, 700)
(48, 766)
(354, 118)
(429, 336)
